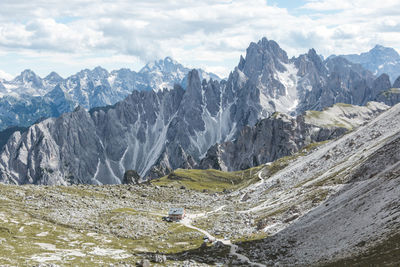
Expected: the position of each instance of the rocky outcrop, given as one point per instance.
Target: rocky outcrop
(335, 81)
(396, 83)
(5, 134)
(131, 177)
(267, 141)
(390, 96)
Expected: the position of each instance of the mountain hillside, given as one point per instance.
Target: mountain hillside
(359, 176)
(155, 132)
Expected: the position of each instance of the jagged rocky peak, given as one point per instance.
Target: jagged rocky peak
(169, 65)
(383, 53)
(242, 61)
(193, 81)
(377, 55)
(346, 78)
(96, 73)
(53, 77)
(264, 56)
(28, 76)
(316, 60)
(266, 78)
(164, 65)
(310, 64)
(164, 73)
(382, 83)
(100, 70)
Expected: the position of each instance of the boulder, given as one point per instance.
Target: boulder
(131, 177)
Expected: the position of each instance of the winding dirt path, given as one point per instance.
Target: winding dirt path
(187, 221)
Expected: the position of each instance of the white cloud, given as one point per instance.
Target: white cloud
(328, 5)
(211, 33)
(6, 76)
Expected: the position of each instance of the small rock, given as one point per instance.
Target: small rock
(143, 263)
(219, 244)
(159, 258)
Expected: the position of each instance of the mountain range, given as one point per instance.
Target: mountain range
(28, 97)
(156, 131)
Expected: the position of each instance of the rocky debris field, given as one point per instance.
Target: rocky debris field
(95, 224)
(122, 224)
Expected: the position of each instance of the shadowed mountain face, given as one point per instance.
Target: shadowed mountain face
(282, 135)
(154, 132)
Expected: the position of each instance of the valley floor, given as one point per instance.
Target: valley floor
(333, 203)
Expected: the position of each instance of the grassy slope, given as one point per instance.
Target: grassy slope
(217, 181)
(212, 180)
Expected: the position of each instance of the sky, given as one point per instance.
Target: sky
(67, 36)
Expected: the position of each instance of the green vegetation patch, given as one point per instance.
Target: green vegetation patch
(217, 181)
(313, 114)
(251, 237)
(125, 210)
(212, 180)
(81, 192)
(344, 105)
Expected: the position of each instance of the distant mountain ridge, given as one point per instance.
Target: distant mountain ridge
(29, 97)
(155, 132)
(378, 60)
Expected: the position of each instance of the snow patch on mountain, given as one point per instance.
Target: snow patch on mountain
(288, 102)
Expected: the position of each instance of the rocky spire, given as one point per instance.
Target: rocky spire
(396, 83)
